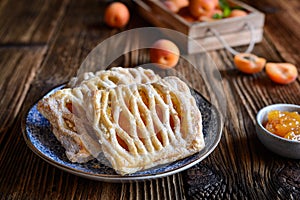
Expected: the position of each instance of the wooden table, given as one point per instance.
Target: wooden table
(42, 44)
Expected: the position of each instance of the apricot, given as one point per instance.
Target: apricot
(185, 13)
(217, 14)
(176, 5)
(237, 13)
(116, 15)
(164, 53)
(206, 19)
(181, 3)
(283, 73)
(211, 16)
(216, 2)
(200, 8)
(171, 6)
(249, 63)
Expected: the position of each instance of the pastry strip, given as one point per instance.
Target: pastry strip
(66, 109)
(144, 125)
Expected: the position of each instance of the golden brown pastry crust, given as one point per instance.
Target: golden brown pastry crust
(115, 76)
(71, 128)
(133, 124)
(145, 125)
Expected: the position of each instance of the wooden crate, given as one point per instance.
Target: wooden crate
(232, 30)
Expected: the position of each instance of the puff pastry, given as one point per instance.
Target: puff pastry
(66, 109)
(129, 117)
(115, 76)
(144, 125)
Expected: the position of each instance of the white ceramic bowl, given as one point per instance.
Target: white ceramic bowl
(281, 146)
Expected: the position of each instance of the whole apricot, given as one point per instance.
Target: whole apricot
(181, 3)
(164, 53)
(200, 8)
(211, 16)
(116, 15)
(206, 19)
(216, 2)
(176, 5)
(249, 63)
(217, 12)
(171, 6)
(237, 13)
(283, 73)
(185, 13)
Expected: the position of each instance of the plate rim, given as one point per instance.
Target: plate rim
(116, 178)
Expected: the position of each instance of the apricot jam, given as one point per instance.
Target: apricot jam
(285, 124)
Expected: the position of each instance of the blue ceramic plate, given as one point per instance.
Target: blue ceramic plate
(39, 138)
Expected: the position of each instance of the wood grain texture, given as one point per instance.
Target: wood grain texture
(61, 34)
(245, 167)
(281, 20)
(23, 22)
(80, 30)
(19, 67)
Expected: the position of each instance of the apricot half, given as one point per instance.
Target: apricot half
(164, 53)
(283, 73)
(116, 15)
(249, 63)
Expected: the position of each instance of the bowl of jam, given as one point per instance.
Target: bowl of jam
(278, 128)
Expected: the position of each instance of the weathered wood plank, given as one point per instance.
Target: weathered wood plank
(34, 178)
(19, 67)
(81, 30)
(78, 35)
(282, 18)
(29, 22)
(241, 166)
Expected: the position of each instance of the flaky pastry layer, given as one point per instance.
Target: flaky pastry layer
(66, 108)
(144, 125)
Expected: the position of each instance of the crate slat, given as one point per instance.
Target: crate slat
(231, 29)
